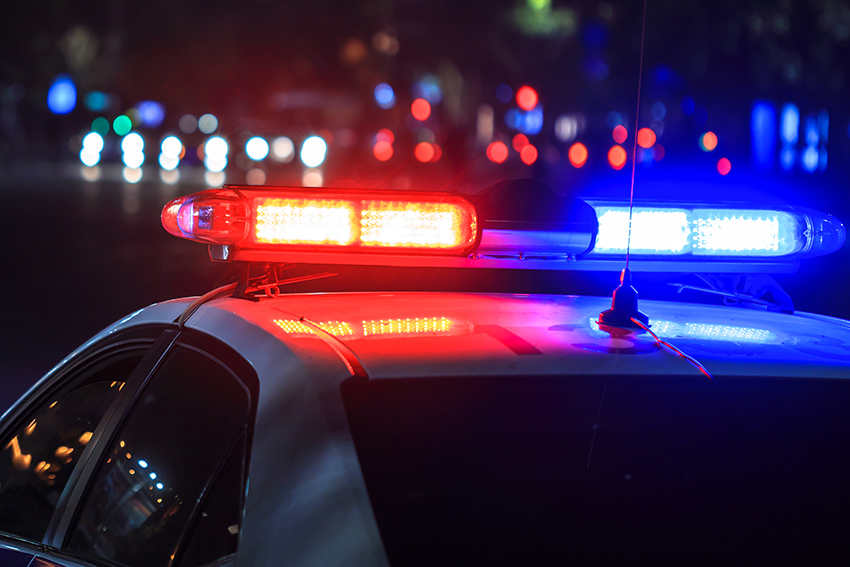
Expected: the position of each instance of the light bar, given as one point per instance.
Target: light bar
(746, 233)
(299, 219)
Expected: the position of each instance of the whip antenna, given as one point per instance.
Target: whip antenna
(624, 305)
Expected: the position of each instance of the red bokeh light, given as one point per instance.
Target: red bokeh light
(424, 152)
(420, 109)
(526, 98)
(724, 166)
(383, 150)
(528, 155)
(617, 157)
(620, 133)
(497, 152)
(519, 142)
(385, 135)
(709, 141)
(646, 138)
(437, 152)
(578, 154)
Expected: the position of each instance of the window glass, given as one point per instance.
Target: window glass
(215, 532)
(163, 459)
(37, 459)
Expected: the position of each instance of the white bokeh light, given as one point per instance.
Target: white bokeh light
(132, 143)
(171, 147)
(93, 143)
(215, 149)
(257, 148)
(313, 151)
(283, 149)
(88, 158)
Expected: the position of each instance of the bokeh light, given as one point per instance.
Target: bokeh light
(385, 135)
(188, 123)
(168, 163)
(657, 152)
(215, 148)
(283, 150)
(438, 153)
(384, 96)
(151, 113)
(122, 125)
(519, 142)
(526, 98)
(93, 143)
(255, 176)
(97, 101)
(207, 123)
(724, 166)
(424, 152)
(420, 109)
(133, 160)
(214, 178)
(169, 177)
(620, 134)
(504, 93)
(617, 157)
(132, 174)
(171, 147)
(312, 178)
(497, 152)
(428, 87)
(646, 138)
(658, 110)
(132, 143)
(100, 125)
(528, 155)
(62, 95)
(257, 149)
(313, 151)
(708, 141)
(88, 158)
(382, 150)
(578, 154)
(91, 173)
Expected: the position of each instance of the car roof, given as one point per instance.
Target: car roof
(433, 334)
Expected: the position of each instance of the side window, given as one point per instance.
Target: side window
(171, 450)
(38, 457)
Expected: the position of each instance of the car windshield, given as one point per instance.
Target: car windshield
(556, 470)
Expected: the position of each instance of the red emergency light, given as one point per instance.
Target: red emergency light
(279, 219)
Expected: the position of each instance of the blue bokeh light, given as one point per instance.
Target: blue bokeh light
(384, 95)
(505, 94)
(151, 114)
(790, 124)
(763, 130)
(62, 96)
(428, 87)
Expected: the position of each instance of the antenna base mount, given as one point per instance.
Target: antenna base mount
(624, 305)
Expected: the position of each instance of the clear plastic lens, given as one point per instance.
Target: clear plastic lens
(660, 231)
(730, 232)
(654, 231)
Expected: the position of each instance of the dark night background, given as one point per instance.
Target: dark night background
(79, 254)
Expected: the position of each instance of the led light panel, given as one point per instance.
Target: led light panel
(305, 221)
(386, 223)
(654, 231)
(731, 232)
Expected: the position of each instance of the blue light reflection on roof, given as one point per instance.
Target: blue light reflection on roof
(702, 331)
(711, 331)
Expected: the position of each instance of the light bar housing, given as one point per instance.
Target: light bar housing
(443, 230)
(291, 220)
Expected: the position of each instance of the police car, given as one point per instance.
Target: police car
(251, 427)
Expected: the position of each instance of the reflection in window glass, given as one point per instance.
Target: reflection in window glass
(176, 437)
(215, 532)
(37, 460)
